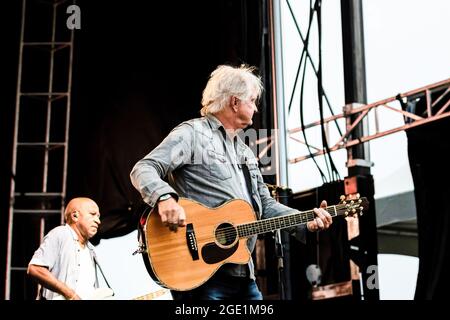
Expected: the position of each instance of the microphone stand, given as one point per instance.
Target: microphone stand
(282, 248)
(280, 257)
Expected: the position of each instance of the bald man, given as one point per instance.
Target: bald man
(64, 263)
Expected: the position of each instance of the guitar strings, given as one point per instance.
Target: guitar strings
(230, 233)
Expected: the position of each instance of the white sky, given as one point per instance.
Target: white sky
(406, 47)
(125, 272)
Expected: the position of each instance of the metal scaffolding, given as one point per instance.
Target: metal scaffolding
(437, 99)
(41, 137)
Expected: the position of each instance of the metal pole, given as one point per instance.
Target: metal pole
(359, 178)
(282, 241)
(355, 80)
(278, 94)
(14, 160)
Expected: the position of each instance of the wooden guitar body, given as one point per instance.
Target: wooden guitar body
(185, 259)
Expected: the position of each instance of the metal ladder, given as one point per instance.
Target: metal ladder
(41, 137)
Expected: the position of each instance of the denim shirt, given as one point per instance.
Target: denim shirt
(60, 253)
(196, 159)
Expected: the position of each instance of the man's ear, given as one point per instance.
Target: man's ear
(234, 103)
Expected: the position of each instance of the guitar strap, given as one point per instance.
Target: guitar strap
(101, 271)
(245, 170)
(248, 181)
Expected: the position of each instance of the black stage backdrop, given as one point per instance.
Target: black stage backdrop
(139, 70)
(428, 149)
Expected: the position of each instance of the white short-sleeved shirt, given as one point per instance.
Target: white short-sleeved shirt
(60, 252)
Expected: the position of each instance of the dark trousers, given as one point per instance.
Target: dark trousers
(222, 287)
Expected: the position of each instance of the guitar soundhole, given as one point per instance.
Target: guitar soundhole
(226, 234)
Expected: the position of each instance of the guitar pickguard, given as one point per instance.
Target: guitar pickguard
(212, 253)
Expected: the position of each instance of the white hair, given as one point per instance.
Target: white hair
(227, 81)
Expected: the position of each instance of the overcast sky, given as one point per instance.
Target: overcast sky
(406, 47)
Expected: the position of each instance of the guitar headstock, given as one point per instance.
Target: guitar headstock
(355, 205)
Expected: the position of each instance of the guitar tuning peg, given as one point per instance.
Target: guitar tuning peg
(346, 213)
(360, 201)
(358, 196)
(342, 198)
(353, 210)
(352, 202)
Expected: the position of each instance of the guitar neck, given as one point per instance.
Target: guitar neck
(285, 221)
(152, 295)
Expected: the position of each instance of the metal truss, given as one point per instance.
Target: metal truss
(437, 101)
(38, 192)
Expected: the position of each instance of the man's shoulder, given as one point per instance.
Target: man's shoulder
(191, 123)
(194, 126)
(59, 231)
(195, 122)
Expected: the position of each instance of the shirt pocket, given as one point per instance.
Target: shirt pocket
(218, 165)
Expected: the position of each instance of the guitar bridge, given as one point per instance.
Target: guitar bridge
(191, 241)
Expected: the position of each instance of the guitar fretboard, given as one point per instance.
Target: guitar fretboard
(286, 221)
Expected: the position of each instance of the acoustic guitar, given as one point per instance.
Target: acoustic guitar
(185, 259)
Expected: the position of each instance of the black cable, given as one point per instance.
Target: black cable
(319, 93)
(312, 63)
(295, 80)
(302, 121)
(335, 173)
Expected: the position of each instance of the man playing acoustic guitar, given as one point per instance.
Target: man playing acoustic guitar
(205, 160)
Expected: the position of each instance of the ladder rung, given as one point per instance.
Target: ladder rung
(53, 2)
(45, 95)
(48, 45)
(48, 145)
(19, 268)
(37, 211)
(38, 194)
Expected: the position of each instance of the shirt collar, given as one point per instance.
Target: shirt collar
(217, 125)
(214, 122)
(75, 237)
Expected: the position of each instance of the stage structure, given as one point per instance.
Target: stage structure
(41, 139)
(353, 128)
(41, 135)
(355, 93)
(437, 99)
